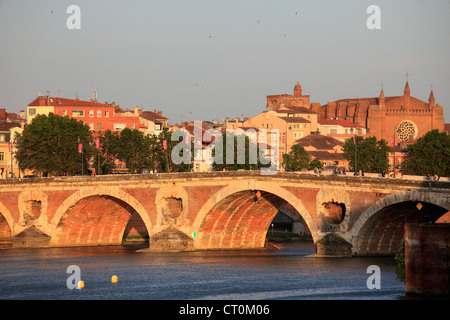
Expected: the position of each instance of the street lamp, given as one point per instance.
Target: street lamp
(354, 140)
(285, 152)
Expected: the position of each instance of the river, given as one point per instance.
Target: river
(203, 275)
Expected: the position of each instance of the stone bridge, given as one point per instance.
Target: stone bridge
(346, 215)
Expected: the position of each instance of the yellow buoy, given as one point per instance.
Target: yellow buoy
(114, 279)
(80, 284)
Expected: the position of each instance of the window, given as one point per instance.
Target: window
(91, 126)
(99, 113)
(157, 126)
(106, 113)
(91, 113)
(32, 111)
(2, 138)
(133, 126)
(77, 113)
(119, 126)
(2, 156)
(64, 112)
(99, 126)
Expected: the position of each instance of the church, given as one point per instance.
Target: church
(401, 118)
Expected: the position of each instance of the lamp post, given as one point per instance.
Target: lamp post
(393, 148)
(354, 140)
(285, 145)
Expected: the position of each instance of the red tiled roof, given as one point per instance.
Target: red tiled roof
(6, 126)
(319, 142)
(152, 116)
(57, 101)
(295, 119)
(325, 155)
(298, 110)
(343, 123)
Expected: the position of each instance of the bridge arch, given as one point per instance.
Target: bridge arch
(6, 227)
(380, 228)
(75, 223)
(239, 215)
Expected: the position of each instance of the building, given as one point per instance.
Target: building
(340, 129)
(98, 116)
(405, 117)
(281, 101)
(326, 149)
(10, 125)
(154, 122)
(287, 126)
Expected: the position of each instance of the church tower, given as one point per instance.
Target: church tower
(298, 90)
(381, 100)
(407, 95)
(431, 101)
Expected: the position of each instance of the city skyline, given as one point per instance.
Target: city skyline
(203, 60)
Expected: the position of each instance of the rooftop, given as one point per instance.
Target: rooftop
(319, 142)
(57, 101)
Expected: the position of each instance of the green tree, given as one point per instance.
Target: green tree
(49, 145)
(297, 159)
(163, 157)
(429, 155)
(241, 154)
(399, 258)
(371, 154)
(315, 163)
(136, 149)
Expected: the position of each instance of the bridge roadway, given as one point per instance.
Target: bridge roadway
(346, 215)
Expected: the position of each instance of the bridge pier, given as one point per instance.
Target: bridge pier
(170, 239)
(333, 245)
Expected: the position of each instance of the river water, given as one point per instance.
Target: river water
(207, 275)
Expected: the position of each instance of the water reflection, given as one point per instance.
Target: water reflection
(249, 274)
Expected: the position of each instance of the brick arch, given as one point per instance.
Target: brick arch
(379, 229)
(112, 201)
(6, 224)
(234, 211)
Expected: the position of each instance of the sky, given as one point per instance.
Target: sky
(208, 60)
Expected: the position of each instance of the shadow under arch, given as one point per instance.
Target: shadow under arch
(6, 227)
(380, 229)
(239, 216)
(99, 217)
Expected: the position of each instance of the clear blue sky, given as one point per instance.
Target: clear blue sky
(206, 59)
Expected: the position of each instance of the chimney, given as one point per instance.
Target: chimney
(2, 113)
(159, 113)
(136, 111)
(22, 114)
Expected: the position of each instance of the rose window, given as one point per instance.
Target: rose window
(407, 130)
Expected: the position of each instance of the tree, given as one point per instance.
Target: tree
(371, 154)
(136, 149)
(315, 163)
(429, 155)
(164, 157)
(239, 154)
(399, 258)
(297, 159)
(49, 145)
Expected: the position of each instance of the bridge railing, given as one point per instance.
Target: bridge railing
(378, 175)
(349, 174)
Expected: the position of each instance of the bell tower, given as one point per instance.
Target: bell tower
(298, 90)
